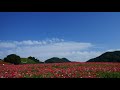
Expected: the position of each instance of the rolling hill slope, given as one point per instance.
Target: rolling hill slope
(107, 57)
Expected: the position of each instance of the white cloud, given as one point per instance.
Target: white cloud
(7, 45)
(74, 51)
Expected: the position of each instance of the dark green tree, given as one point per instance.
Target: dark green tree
(13, 58)
(34, 59)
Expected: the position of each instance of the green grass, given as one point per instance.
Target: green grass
(27, 61)
(109, 74)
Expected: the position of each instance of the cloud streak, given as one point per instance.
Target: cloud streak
(74, 51)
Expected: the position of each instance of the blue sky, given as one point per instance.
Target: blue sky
(99, 29)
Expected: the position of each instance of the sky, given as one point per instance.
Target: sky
(78, 36)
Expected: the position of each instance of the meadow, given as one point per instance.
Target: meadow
(61, 70)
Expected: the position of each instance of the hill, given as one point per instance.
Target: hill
(107, 57)
(27, 61)
(57, 60)
(35, 60)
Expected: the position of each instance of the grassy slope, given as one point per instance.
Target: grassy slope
(25, 60)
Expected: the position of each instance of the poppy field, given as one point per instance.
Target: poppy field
(61, 70)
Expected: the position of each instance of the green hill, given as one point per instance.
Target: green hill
(57, 60)
(107, 57)
(27, 61)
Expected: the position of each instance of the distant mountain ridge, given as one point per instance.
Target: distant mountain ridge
(107, 57)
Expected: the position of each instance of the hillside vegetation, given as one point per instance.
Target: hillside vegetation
(107, 57)
(15, 59)
(57, 60)
(27, 61)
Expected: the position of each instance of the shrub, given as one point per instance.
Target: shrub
(13, 58)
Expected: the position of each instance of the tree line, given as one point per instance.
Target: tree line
(15, 59)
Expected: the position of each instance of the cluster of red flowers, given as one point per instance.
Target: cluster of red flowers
(57, 70)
